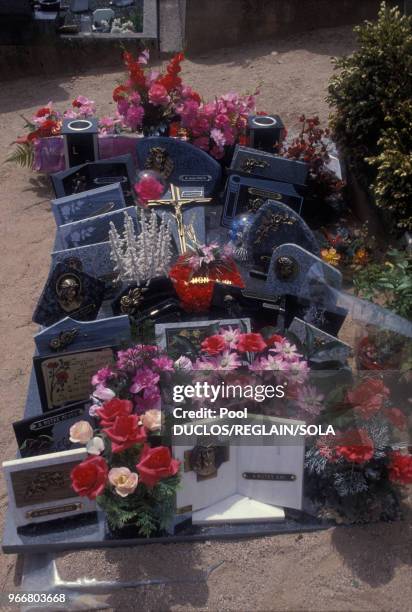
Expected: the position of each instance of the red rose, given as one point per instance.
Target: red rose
(112, 409)
(119, 92)
(252, 343)
(214, 345)
(368, 397)
(396, 417)
(43, 112)
(275, 338)
(125, 432)
(155, 464)
(89, 477)
(355, 446)
(400, 468)
(62, 376)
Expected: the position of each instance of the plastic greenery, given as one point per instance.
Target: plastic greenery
(390, 281)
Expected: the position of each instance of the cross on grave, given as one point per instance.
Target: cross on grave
(177, 202)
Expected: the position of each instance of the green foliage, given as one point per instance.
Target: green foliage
(393, 185)
(390, 282)
(23, 155)
(148, 509)
(371, 84)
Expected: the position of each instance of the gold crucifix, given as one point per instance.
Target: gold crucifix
(177, 202)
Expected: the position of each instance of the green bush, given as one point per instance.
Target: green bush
(370, 85)
(393, 185)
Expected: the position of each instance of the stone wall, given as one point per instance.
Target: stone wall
(212, 24)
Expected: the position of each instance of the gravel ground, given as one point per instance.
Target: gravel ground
(347, 569)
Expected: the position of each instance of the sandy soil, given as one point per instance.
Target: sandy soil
(363, 568)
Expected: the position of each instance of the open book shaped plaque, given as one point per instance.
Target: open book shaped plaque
(249, 483)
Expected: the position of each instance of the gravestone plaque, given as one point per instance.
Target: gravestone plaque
(93, 259)
(69, 292)
(39, 488)
(88, 204)
(179, 163)
(260, 164)
(248, 194)
(49, 433)
(275, 224)
(97, 174)
(93, 230)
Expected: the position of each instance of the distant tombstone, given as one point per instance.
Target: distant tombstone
(276, 224)
(263, 165)
(179, 163)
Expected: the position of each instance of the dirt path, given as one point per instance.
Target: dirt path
(342, 569)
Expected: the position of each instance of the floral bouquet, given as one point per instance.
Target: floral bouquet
(195, 273)
(354, 474)
(148, 98)
(312, 146)
(47, 123)
(129, 473)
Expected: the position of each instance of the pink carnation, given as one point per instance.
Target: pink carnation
(134, 116)
(158, 95)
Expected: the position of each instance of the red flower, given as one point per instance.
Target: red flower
(400, 468)
(355, 446)
(120, 92)
(43, 112)
(368, 397)
(214, 345)
(396, 417)
(112, 409)
(275, 338)
(155, 464)
(62, 376)
(76, 103)
(89, 477)
(125, 432)
(148, 188)
(252, 343)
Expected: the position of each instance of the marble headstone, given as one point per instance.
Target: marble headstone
(93, 259)
(103, 172)
(248, 194)
(275, 224)
(69, 292)
(88, 204)
(179, 163)
(93, 230)
(295, 271)
(260, 164)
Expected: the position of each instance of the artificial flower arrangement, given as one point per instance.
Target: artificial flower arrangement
(313, 146)
(130, 474)
(195, 273)
(354, 476)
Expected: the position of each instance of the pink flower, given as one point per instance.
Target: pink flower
(222, 121)
(134, 116)
(151, 400)
(231, 336)
(103, 393)
(287, 350)
(163, 363)
(102, 376)
(123, 480)
(144, 379)
(158, 95)
(123, 106)
(183, 363)
(228, 361)
(299, 370)
(309, 400)
(135, 98)
(148, 188)
(271, 363)
(206, 364)
(144, 57)
(218, 137)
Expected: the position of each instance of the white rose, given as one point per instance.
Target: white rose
(81, 432)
